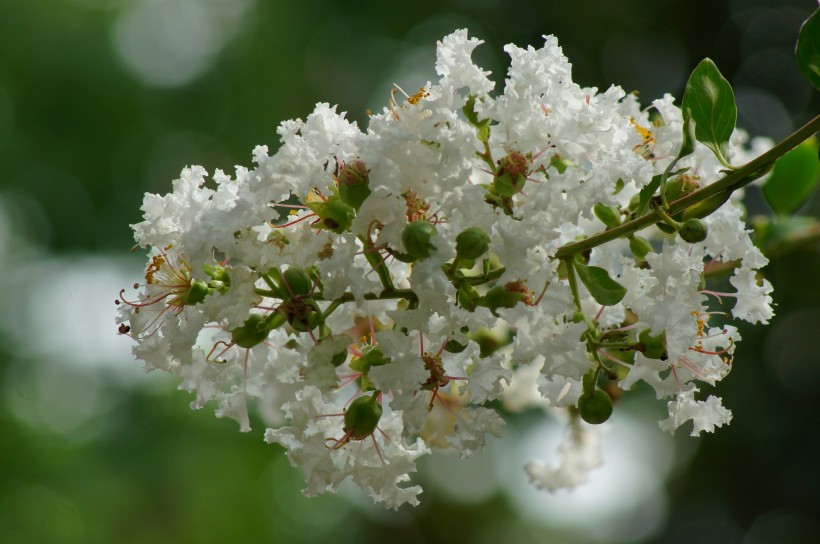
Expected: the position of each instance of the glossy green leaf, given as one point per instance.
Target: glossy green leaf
(710, 103)
(603, 289)
(795, 175)
(808, 49)
(687, 146)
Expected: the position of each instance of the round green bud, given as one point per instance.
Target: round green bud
(353, 180)
(609, 215)
(595, 407)
(679, 187)
(693, 231)
(654, 347)
(472, 243)
(674, 190)
(416, 238)
(252, 333)
(362, 417)
(639, 247)
(297, 282)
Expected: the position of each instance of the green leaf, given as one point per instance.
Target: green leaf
(710, 103)
(687, 146)
(647, 193)
(603, 289)
(795, 175)
(808, 49)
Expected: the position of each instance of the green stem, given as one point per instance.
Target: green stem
(576, 297)
(377, 262)
(666, 219)
(269, 281)
(387, 294)
(487, 155)
(732, 181)
(265, 293)
(664, 178)
(484, 278)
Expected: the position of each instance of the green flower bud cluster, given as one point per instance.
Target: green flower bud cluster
(295, 287)
(198, 289)
(336, 211)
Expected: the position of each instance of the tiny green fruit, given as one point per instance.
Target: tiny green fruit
(252, 333)
(693, 231)
(609, 215)
(595, 407)
(472, 243)
(362, 417)
(297, 282)
(639, 246)
(417, 238)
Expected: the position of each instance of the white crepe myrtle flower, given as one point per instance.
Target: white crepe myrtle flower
(377, 293)
(705, 415)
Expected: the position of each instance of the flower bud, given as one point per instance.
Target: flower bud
(297, 282)
(609, 215)
(693, 231)
(639, 247)
(220, 280)
(353, 180)
(416, 238)
(679, 187)
(472, 243)
(595, 407)
(362, 417)
(252, 333)
(654, 347)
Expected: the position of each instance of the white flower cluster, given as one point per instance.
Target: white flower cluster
(372, 293)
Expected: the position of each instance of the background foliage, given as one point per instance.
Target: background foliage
(102, 100)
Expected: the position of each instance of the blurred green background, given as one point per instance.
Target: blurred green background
(103, 100)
